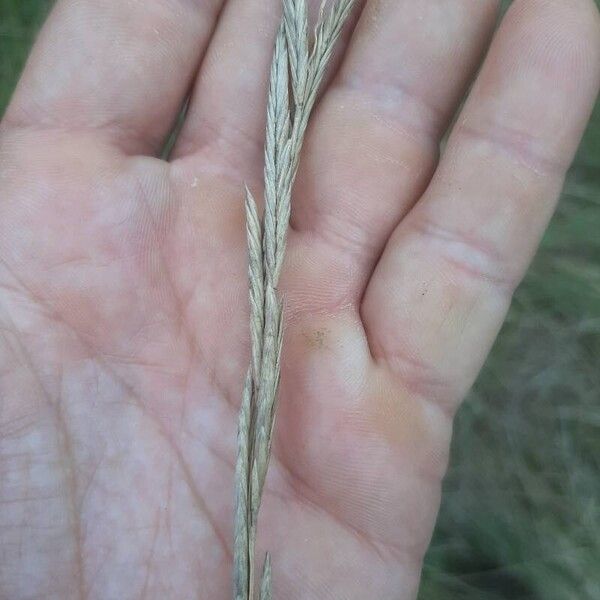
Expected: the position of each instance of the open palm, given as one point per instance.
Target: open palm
(123, 307)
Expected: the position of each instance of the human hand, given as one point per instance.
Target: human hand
(124, 295)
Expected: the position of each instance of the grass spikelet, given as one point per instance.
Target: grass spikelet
(298, 67)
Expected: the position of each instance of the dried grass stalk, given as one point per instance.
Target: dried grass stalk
(299, 68)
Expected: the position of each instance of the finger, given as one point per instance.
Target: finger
(375, 139)
(119, 68)
(442, 288)
(226, 118)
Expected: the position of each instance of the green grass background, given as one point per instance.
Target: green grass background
(521, 512)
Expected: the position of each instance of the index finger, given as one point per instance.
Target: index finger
(119, 69)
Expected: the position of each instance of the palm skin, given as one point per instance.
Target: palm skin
(125, 359)
(125, 342)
